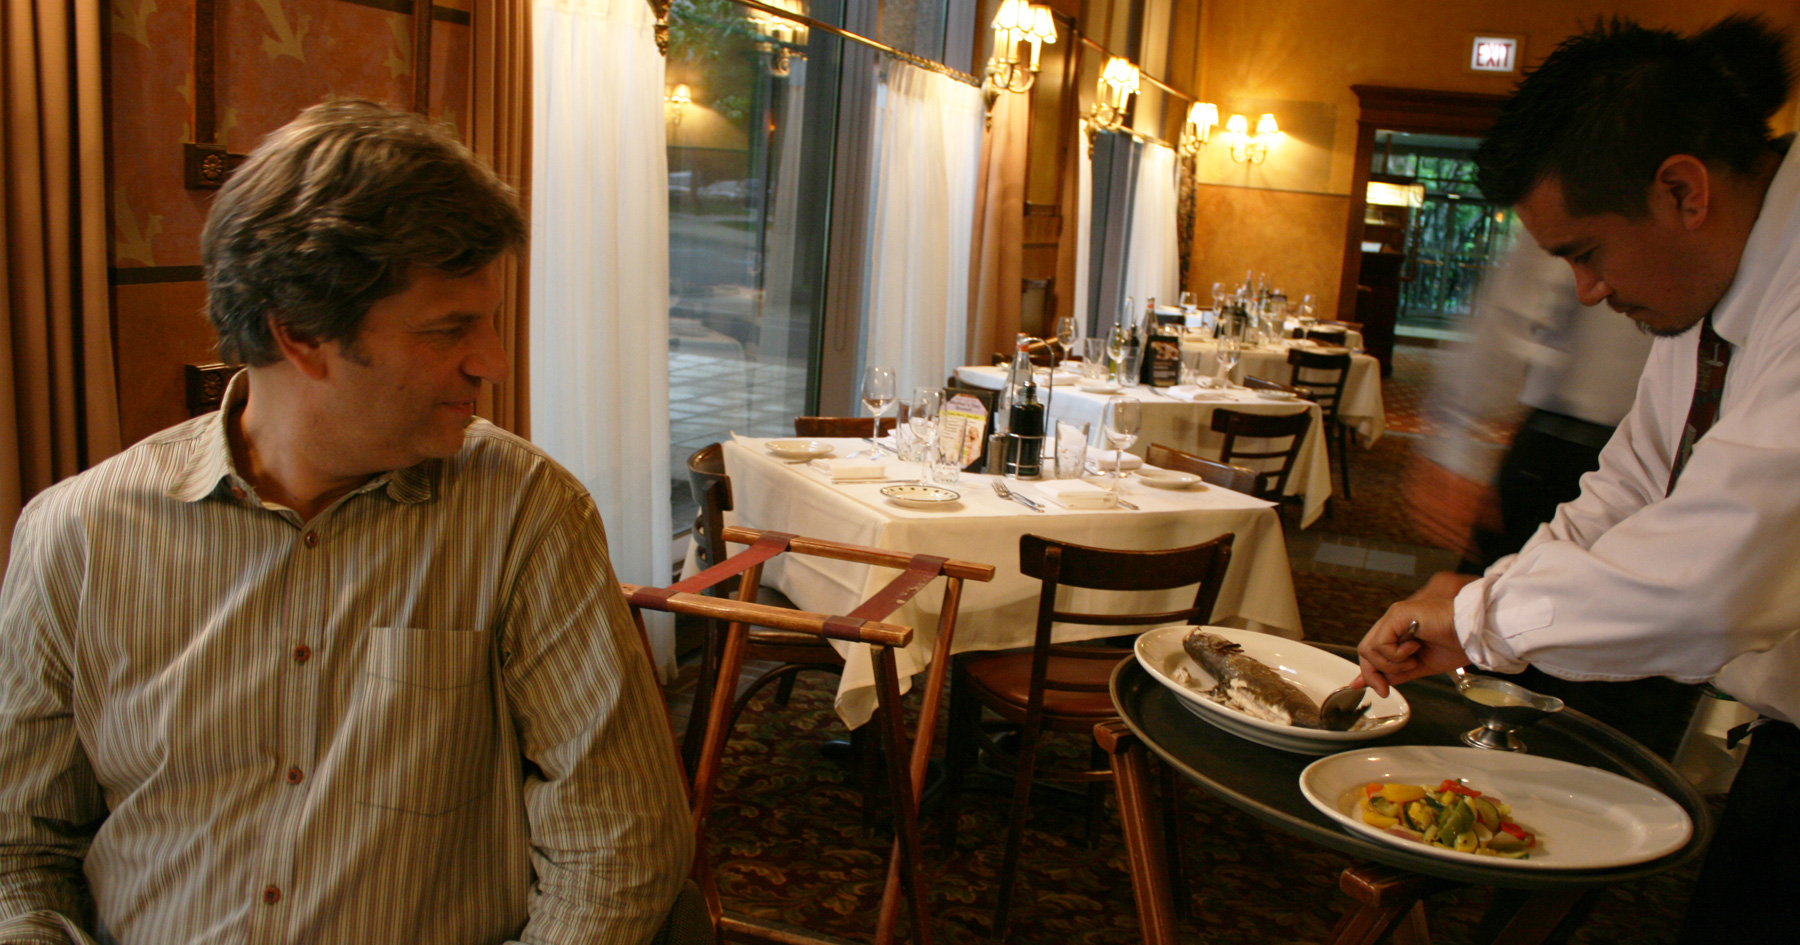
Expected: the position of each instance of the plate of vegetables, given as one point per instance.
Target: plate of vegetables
(1507, 810)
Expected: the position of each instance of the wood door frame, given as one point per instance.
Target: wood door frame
(1419, 111)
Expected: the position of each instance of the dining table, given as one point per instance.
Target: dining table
(773, 493)
(1181, 417)
(1362, 408)
(1264, 783)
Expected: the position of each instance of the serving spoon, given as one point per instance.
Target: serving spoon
(1343, 708)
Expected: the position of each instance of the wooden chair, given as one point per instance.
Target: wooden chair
(793, 652)
(862, 625)
(1043, 353)
(1223, 475)
(1320, 378)
(1272, 465)
(1063, 687)
(845, 427)
(1262, 383)
(1329, 336)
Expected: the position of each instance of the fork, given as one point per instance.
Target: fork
(1003, 492)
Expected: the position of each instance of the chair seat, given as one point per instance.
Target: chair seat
(1007, 677)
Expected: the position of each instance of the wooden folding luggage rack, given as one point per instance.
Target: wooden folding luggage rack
(862, 625)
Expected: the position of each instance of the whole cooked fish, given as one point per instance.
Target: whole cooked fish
(1248, 685)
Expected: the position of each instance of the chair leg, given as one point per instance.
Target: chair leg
(959, 751)
(784, 691)
(868, 764)
(1344, 456)
(1172, 821)
(703, 692)
(1015, 828)
(1096, 793)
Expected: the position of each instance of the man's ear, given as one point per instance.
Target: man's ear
(1684, 186)
(305, 354)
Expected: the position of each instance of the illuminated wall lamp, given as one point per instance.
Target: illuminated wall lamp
(1016, 24)
(781, 36)
(678, 99)
(1202, 118)
(1247, 148)
(1112, 95)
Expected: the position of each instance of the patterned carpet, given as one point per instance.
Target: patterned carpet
(788, 846)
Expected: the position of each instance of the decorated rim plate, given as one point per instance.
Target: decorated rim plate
(799, 449)
(1315, 671)
(1277, 395)
(1167, 478)
(1584, 818)
(920, 496)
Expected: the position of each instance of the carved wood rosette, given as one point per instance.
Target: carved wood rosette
(661, 9)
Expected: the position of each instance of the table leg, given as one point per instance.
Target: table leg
(1143, 836)
(1385, 895)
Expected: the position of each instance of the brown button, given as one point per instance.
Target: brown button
(294, 775)
(237, 493)
(302, 653)
(271, 895)
(311, 539)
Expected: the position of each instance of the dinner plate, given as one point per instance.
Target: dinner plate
(1097, 387)
(799, 449)
(1277, 395)
(1313, 670)
(1584, 818)
(920, 496)
(1166, 478)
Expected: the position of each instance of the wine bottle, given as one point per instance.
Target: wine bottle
(1027, 424)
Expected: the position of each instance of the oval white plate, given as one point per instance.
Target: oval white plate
(1167, 478)
(1585, 818)
(1277, 395)
(920, 496)
(1315, 671)
(799, 449)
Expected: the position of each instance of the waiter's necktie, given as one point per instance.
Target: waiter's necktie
(1713, 356)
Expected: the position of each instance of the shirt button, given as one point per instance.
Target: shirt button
(272, 895)
(293, 776)
(311, 539)
(302, 653)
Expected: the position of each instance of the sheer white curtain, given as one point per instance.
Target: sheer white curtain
(927, 154)
(1153, 261)
(1084, 231)
(600, 273)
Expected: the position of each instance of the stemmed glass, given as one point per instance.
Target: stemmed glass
(1121, 423)
(1231, 346)
(1065, 335)
(877, 393)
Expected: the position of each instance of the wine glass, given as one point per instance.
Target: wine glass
(1116, 343)
(877, 393)
(1065, 335)
(1231, 346)
(1123, 419)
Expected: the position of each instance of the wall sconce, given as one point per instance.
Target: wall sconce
(1118, 83)
(782, 37)
(1247, 148)
(677, 101)
(1017, 23)
(1202, 118)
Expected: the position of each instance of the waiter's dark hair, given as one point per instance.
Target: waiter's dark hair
(329, 215)
(1604, 111)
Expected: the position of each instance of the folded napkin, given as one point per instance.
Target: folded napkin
(1102, 460)
(1074, 494)
(1191, 394)
(845, 470)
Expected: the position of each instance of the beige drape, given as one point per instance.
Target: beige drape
(996, 285)
(500, 131)
(59, 410)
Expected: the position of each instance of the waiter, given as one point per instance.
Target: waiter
(1644, 159)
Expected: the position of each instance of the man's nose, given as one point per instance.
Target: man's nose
(488, 360)
(1590, 289)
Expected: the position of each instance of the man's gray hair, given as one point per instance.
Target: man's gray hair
(329, 215)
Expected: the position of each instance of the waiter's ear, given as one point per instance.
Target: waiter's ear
(1682, 189)
(306, 354)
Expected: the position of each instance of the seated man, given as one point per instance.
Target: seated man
(339, 662)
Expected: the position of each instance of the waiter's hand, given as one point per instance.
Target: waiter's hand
(1389, 656)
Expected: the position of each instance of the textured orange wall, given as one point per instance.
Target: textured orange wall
(274, 58)
(1298, 59)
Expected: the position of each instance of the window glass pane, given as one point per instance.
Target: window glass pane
(751, 114)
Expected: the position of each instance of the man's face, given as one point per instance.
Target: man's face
(405, 388)
(1646, 269)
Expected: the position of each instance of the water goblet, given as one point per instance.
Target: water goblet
(877, 393)
(1122, 421)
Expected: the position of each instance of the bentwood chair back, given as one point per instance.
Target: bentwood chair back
(1320, 378)
(908, 755)
(1224, 475)
(1063, 687)
(844, 427)
(1273, 463)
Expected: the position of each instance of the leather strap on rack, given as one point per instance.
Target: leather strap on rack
(766, 547)
(919, 572)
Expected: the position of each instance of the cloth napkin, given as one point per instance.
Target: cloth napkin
(845, 470)
(1074, 494)
(1192, 394)
(1102, 460)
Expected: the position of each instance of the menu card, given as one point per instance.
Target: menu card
(962, 429)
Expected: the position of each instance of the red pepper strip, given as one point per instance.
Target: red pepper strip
(1518, 831)
(1372, 788)
(1456, 788)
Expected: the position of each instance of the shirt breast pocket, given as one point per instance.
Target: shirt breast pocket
(426, 721)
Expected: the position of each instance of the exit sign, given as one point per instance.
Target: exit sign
(1494, 54)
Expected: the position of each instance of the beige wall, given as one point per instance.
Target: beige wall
(1298, 59)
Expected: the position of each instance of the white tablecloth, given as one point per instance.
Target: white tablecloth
(1187, 425)
(1361, 408)
(998, 615)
